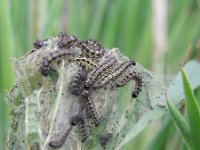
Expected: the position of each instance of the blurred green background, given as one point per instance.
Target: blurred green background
(159, 34)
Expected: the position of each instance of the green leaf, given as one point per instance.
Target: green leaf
(193, 112)
(180, 122)
(174, 91)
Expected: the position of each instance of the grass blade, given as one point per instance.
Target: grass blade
(192, 111)
(6, 77)
(180, 122)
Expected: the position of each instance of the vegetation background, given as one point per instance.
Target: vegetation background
(159, 34)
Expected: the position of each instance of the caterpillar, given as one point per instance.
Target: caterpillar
(44, 68)
(91, 48)
(80, 121)
(75, 120)
(77, 84)
(60, 142)
(65, 40)
(98, 70)
(129, 77)
(92, 108)
(138, 83)
(118, 71)
(104, 139)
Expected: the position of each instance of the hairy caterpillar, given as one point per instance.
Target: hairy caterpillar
(44, 68)
(118, 71)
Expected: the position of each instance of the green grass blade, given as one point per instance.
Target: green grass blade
(180, 122)
(198, 96)
(192, 112)
(6, 77)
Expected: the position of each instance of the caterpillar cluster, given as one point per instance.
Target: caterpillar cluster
(89, 49)
(95, 72)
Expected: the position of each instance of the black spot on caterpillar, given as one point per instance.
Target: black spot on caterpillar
(98, 70)
(104, 139)
(118, 71)
(38, 44)
(131, 76)
(44, 68)
(65, 40)
(80, 121)
(60, 142)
